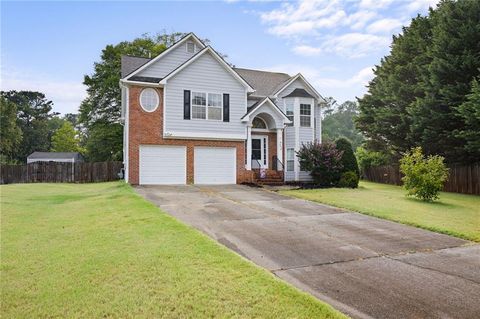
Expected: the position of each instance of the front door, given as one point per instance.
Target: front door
(259, 152)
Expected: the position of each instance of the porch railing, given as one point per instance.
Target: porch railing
(277, 164)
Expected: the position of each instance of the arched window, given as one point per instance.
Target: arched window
(258, 123)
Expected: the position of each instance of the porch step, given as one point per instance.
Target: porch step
(270, 181)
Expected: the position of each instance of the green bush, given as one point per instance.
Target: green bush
(349, 162)
(424, 176)
(348, 180)
(323, 161)
(367, 159)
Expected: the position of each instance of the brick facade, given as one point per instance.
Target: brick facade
(145, 128)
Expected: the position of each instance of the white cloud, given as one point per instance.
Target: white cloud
(66, 95)
(375, 4)
(384, 26)
(351, 45)
(416, 6)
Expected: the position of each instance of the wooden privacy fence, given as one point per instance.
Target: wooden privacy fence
(461, 179)
(54, 172)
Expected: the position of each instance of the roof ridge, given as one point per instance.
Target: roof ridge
(257, 70)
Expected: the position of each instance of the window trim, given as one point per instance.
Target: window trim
(292, 116)
(290, 160)
(206, 106)
(194, 47)
(140, 99)
(304, 115)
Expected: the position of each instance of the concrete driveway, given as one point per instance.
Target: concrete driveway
(363, 266)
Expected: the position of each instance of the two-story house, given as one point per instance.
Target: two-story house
(189, 117)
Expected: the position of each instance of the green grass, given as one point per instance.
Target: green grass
(454, 214)
(100, 250)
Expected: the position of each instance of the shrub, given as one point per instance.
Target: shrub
(323, 161)
(349, 161)
(424, 176)
(367, 159)
(348, 180)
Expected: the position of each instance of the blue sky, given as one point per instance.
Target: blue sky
(49, 46)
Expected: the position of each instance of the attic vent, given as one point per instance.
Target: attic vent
(190, 47)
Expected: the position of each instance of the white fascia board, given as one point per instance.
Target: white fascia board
(218, 58)
(203, 136)
(164, 53)
(141, 83)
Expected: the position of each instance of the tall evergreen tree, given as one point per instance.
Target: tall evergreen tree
(383, 117)
(415, 96)
(455, 62)
(469, 111)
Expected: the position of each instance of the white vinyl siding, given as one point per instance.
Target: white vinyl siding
(204, 75)
(215, 165)
(167, 63)
(162, 165)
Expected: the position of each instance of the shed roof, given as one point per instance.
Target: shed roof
(55, 155)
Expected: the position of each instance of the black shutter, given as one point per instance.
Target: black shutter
(226, 107)
(186, 105)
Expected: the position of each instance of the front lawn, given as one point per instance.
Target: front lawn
(100, 250)
(454, 214)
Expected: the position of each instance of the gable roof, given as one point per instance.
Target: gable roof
(131, 63)
(293, 79)
(218, 58)
(299, 93)
(169, 49)
(265, 83)
(55, 155)
(254, 107)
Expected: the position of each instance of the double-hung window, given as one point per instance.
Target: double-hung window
(214, 106)
(305, 115)
(290, 159)
(289, 112)
(207, 106)
(199, 105)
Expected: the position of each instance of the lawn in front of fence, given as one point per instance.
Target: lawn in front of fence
(454, 214)
(100, 250)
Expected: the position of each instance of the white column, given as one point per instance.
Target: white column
(249, 148)
(280, 147)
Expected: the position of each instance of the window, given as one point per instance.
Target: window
(289, 112)
(149, 99)
(305, 115)
(258, 123)
(214, 106)
(290, 159)
(207, 106)
(199, 105)
(190, 47)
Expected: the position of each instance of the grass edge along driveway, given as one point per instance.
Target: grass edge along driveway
(100, 250)
(454, 214)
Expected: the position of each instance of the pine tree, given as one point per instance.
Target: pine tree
(455, 62)
(469, 112)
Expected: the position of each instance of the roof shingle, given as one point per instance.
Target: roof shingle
(265, 83)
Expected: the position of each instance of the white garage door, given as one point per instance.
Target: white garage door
(215, 165)
(162, 165)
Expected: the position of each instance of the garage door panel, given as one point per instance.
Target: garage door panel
(162, 165)
(215, 165)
